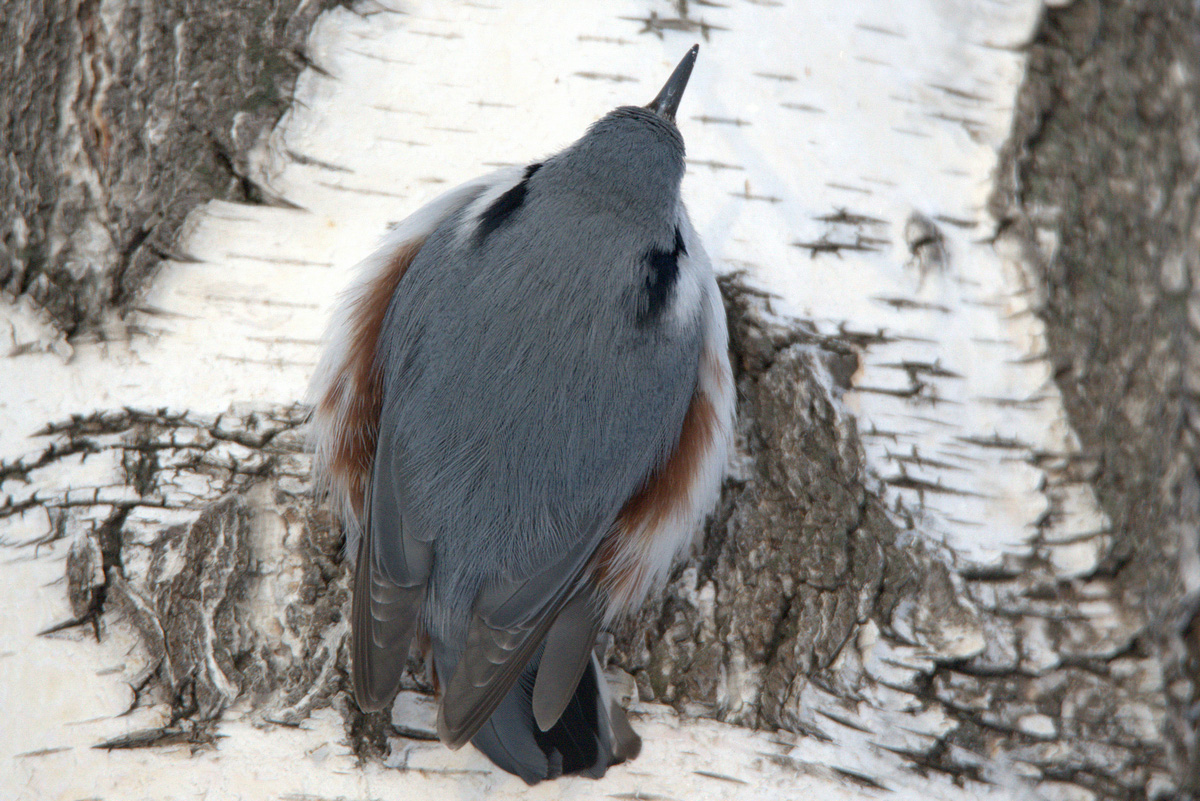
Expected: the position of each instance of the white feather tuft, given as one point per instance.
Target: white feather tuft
(645, 556)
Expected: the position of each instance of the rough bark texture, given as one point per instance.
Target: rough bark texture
(797, 555)
(121, 116)
(1102, 184)
(240, 599)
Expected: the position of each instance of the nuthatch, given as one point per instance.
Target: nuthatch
(522, 415)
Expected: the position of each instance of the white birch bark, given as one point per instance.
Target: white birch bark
(841, 160)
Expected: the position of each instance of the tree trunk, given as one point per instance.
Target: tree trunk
(121, 117)
(957, 553)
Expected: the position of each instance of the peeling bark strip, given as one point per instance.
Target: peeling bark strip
(89, 203)
(193, 592)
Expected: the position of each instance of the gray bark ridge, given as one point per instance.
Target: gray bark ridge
(121, 118)
(1100, 184)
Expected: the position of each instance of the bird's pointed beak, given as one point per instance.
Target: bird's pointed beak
(672, 92)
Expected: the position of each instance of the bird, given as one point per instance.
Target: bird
(521, 416)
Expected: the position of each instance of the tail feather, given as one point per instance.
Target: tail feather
(586, 740)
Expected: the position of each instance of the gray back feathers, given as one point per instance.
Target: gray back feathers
(536, 364)
(525, 397)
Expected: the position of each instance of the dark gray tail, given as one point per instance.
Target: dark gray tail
(592, 733)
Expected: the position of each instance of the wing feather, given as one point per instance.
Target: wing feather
(344, 390)
(568, 650)
(383, 623)
(389, 590)
(392, 568)
(510, 621)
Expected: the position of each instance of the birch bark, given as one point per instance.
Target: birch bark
(958, 551)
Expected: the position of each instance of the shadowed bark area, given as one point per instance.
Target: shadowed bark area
(1101, 181)
(118, 119)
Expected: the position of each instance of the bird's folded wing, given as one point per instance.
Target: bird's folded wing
(389, 589)
(509, 623)
(568, 649)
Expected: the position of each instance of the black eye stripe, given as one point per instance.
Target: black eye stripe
(662, 275)
(503, 207)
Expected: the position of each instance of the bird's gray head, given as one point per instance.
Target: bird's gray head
(635, 152)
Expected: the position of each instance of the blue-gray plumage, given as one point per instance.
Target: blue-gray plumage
(550, 404)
